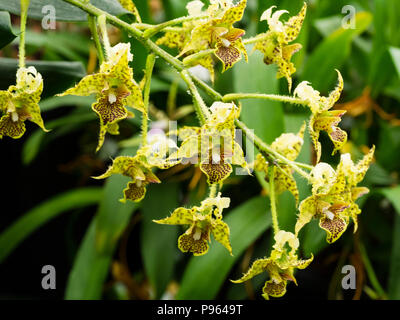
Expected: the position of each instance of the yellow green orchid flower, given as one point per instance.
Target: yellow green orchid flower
(213, 144)
(138, 168)
(180, 37)
(334, 195)
(288, 145)
(130, 6)
(218, 33)
(322, 119)
(280, 265)
(203, 221)
(115, 89)
(20, 102)
(274, 44)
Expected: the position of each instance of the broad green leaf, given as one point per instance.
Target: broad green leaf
(204, 275)
(159, 242)
(63, 11)
(85, 281)
(36, 217)
(286, 203)
(388, 145)
(175, 8)
(263, 116)
(94, 256)
(332, 53)
(395, 54)
(64, 45)
(313, 238)
(327, 25)
(52, 103)
(6, 33)
(57, 75)
(113, 215)
(393, 194)
(67, 123)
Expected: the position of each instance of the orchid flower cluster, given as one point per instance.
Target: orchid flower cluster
(205, 37)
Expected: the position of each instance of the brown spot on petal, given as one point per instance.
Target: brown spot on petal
(10, 128)
(334, 228)
(133, 192)
(274, 289)
(216, 172)
(228, 55)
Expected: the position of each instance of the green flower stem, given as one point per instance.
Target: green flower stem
(257, 38)
(151, 59)
(24, 16)
(195, 56)
(273, 199)
(145, 26)
(268, 151)
(303, 165)
(103, 27)
(213, 191)
(273, 97)
(371, 273)
(93, 29)
(199, 105)
(160, 27)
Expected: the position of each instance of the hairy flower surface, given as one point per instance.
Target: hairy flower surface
(280, 265)
(115, 89)
(274, 44)
(323, 119)
(20, 102)
(213, 144)
(334, 195)
(289, 146)
(203, 221)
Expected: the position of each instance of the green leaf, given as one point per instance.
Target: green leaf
(63, 10)
(6, 33)
(57, 75)
(205, 275)
(70, 122)
(313, 238)
(94, 256)
(265, 117)
(113, 215)
(332, 53)
(174, 8)
(393, 194)
(90, 269)
(159, 242)
(57, 102)
(70, 46)
(395, 54)
(35, 218)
